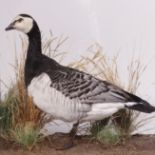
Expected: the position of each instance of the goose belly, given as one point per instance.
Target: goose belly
(100, 111)
(53, 102)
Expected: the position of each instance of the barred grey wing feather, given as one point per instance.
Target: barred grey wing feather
(88, 89)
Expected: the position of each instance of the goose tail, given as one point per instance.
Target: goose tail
(140, 105)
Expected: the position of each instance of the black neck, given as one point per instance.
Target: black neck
(36, 62)
(34, 36)
(33, 54)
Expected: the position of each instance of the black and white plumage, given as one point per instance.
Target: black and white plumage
(66, 93)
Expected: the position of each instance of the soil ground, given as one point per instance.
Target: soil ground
(137, 145)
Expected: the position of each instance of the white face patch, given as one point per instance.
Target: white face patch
(23, 24)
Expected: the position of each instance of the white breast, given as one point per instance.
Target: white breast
(53, 102)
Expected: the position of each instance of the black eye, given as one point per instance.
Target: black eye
(20, 20)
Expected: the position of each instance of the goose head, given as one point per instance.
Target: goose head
(23, 23)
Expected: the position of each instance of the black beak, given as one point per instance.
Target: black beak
(10, 27)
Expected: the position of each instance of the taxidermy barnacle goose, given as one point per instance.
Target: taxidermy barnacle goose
(66, 93)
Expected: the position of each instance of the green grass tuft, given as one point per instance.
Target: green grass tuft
(107, 135)
(26, 135)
